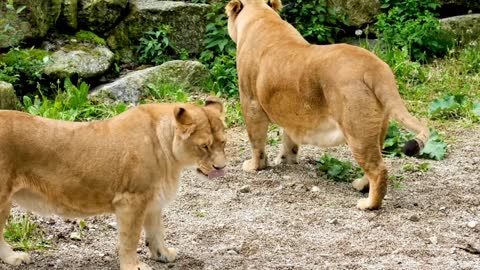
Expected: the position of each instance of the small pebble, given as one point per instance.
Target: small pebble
(332, 221)
(443, 208)
(245, 189)
(76, 236)
(433, 240)
(232, 252)
(472, 224)
(315, 189)
(413, 218)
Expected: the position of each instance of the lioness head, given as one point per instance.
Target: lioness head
(199, 137)
(235, 7)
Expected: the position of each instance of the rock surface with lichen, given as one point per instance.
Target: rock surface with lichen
(465, 28)
(187, 21)
(100, 16)
(8, 99)
(82, 61)
(190, 75)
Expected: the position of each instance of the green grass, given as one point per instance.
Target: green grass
(24, 235)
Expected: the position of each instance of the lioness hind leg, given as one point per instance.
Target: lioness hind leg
(289, 151)
(257, 126)
(6, 253)
(155, 237)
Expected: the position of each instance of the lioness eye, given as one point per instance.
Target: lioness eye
(204, 146)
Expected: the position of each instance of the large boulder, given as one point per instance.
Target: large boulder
(33, 22)
(190, 75)
(187, 21)
(68, 18)
(465, 28)
(100, 16)
(357, 12)
(80, 60)
(8, 99)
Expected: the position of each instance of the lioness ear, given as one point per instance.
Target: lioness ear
(214, 103)
(233, 8)
(184, 122)
(275, 4)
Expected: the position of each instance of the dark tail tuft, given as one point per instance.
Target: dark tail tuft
(411, 148)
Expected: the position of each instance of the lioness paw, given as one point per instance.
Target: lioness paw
(365, 204)
(360, 184)
(142, 266)
(252, 166)
(285, 159)
(169, 255)
(17, 258)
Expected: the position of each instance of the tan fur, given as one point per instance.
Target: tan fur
(128, 165)
(320, 95)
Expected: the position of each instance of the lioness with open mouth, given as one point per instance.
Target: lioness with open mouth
(128, 165)
(321, 95)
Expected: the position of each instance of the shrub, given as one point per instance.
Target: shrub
(156, 47)
(338, 170)
(412, 24)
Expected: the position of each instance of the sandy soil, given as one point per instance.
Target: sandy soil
(279, 219)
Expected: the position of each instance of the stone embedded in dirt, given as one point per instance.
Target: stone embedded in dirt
(112, 225)
(332, 221)
(472, 224)
(232, 252)
(413, 218)
(245, 189)
(301, 188)
(76, 236)
(315, 189)
(433, 240)
(443, 208)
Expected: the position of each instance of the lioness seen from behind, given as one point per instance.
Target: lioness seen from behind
(128, 165)
(321, 95)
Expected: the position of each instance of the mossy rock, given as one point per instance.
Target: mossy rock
(465, 28)
(69, 17)
(33, 22)
(186, 20)
(8, 99)
(100, 16)
(357, 12)
(89, 37)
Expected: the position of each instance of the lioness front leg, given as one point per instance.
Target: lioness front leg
(155, 236)
(130, 213)
(257, 126)
(289, 151)
(6, 253)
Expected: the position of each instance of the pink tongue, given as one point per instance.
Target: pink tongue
(216, 173)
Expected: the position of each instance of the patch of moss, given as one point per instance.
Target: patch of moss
(89, 37)
(22, 55)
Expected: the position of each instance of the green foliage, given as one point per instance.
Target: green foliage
(410, 167)
(166, 92)
(316, 20)
(219, 53)
(435, 148)
(23, 65)
(90, 37)
(454, 106)
(9, 34)
(412, 24)
(338, 170)
(71, 105)
(233, 113)
(23, 234)
(156, 47)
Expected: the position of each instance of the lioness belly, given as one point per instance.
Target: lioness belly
(41, 205)
(326, 134)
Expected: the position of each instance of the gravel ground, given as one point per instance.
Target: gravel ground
(291, 217)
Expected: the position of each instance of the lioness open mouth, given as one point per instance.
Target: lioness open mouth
(213, 174)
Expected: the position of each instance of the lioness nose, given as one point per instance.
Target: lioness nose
(218, 167)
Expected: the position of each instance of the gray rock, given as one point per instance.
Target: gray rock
(357, 12)
(133, 86)
(69, 18)
(413, 218)
(100, 16)
(245, 189)
(187, 21)
(465, 28)
(83, 61)
(472, 224)
(33, 22)
(8, 98)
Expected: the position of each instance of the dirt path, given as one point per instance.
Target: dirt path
(282, 223)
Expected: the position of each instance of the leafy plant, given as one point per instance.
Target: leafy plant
(156, 47)
(435, 148)
(23, 234)
(317, 20)
(233, 113)
(412, 24)
(9, 34)
(166, 92)
(71, 105)
(454, 106)
(219, 53)
(410, 167)
(338, 170)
